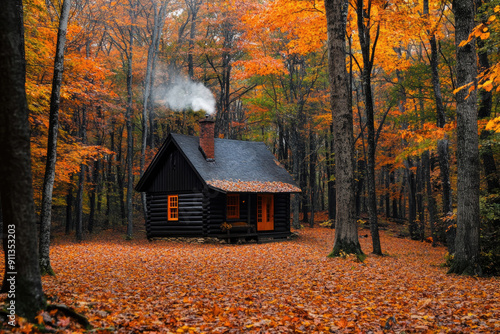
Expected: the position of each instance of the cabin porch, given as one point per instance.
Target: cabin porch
(251, 216)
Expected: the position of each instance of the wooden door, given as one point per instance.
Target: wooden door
(265, 212)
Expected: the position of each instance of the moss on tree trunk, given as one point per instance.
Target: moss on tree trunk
(345, 247)
(464, 267)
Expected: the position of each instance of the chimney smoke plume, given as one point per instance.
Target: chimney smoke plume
(184, 93)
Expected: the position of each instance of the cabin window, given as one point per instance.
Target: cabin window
(173, 207)
(233, 206)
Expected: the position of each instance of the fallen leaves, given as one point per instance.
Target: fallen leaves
(253, 186)
(287, 287)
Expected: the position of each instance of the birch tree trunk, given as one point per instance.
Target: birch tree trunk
(466, 259)
(346, 230)
(50, 168)
(16, 189)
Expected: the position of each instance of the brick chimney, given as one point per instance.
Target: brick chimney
(207, 131)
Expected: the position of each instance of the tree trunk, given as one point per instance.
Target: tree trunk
(130, 142)
(79, 204)
(412, 201)
(330, 169)
(360, 184)
(81, 179)
(484, 111)
(193, 8)
(121, 179)
(387, 192)
(16, 190)
(69, 206)
(365, 42)
(93, 196)
(346, 230)
(159, 20)
(312, 175)
(420, 200)
(431, 202)
(466, 259)
(50, 167)
(442, 147)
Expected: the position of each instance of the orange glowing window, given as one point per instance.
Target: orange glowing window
(173, 207)
(233, 206)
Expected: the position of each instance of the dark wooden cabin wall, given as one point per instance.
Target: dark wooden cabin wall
(175, 175)
(281, 212)
(216, 212)
(190, 223)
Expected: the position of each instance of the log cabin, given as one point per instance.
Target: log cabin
(211, 187)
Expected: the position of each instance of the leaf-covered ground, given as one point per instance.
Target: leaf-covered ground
(287, 287)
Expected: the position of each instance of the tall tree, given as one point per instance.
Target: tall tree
(442, 146)
(156, 29)
(368, 53)
(466, 259)
(128, 115)
(16, 189)
(124, 33)
(346, 231)
(50, 169)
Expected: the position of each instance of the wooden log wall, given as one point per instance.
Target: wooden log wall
(216, 213)
(190, 223)
(281, 212)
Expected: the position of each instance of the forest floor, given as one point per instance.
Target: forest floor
(167, 286)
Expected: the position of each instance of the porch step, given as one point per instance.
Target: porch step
(263, 239)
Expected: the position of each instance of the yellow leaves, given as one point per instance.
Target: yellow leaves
(479, 31)
(493, 124)
(261, 66)
(487, 85)
(39, 319)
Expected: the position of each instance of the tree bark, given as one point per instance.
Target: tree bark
(420, 187)
(346, 230)
(69, 207)
(442, 146)
(159, 20)
(130, 138)
(312, 175)
(50, 167)
(81, 178)
(466, 259)
(365, 42)
(412, 201)
(330, 168)
(431, 201)
(193, 8)
(16, 189)
(93, 196)
(484, 111)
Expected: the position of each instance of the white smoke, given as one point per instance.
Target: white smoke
(184, 93)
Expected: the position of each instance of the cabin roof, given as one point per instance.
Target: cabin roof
(239, 166)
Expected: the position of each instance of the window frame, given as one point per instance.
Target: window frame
(234, 204)
(173, 210)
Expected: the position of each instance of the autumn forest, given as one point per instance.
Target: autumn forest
(385, 113)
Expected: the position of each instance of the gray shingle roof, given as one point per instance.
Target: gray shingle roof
(239, 166)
